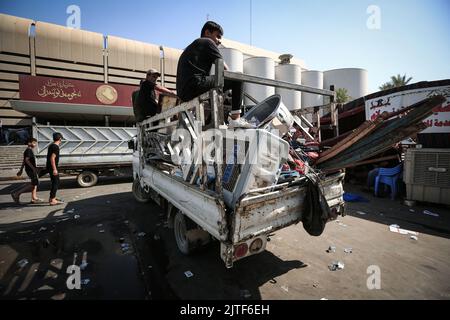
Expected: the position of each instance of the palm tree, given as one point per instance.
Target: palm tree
(396, 81)
(400, 81)
(342, 95)
(385, 86)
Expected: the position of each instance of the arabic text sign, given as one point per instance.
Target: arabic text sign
(48, 89)
(438, 122)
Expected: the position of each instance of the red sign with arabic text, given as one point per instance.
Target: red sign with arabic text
(48, 89)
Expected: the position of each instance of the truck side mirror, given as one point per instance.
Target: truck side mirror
(131, 144)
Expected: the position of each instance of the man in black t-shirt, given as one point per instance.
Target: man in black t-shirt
(52, 167)
(29, 163)
(194, 66)
(145, 102)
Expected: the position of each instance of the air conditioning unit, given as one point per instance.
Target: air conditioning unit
(427, 175)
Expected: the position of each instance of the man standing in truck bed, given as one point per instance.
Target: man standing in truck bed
(145, 103)
(194, 66)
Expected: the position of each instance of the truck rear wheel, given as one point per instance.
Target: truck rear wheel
(180, 227)
(188, 235)
(139, 193)
(87, 179)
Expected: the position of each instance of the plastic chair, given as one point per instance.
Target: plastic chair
(388, 176)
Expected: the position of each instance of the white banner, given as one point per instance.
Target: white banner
(439, 122)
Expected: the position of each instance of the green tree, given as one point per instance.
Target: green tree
(396, 81)
(342, 95)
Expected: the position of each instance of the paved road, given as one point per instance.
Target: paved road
(295, 265)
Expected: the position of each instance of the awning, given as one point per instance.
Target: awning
(67, 111)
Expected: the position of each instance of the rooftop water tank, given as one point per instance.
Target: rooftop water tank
(290, 73)
(355, 80)
(312, 79)
(233, 58)
(262, 67)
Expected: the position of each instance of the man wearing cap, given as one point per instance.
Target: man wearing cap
(52, 167)
(145, 101)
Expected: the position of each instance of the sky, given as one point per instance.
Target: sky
(409, 37)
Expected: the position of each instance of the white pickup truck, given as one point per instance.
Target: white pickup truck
(239, 214)
(87, 152)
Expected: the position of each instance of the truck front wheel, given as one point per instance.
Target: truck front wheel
(87, 179)
(139, 193)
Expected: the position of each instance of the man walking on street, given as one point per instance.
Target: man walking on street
(29, 163)
(52, 168)
(194, 66)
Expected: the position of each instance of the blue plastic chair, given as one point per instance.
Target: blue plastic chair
(389, 176)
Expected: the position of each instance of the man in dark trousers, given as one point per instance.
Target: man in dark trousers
(29, 163)
(145, 101)
(194, 67)
(52, 168)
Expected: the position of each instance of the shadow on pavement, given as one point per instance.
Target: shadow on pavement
(386, 211)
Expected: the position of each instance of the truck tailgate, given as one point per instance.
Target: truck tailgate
(265, 213)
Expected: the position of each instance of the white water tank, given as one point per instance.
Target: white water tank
(312, 79)
(291, 73)
(262, 67)
(233, 58)
(355, 80)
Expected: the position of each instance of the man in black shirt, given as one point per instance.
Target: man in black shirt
(145, 103)
(194, 67)
(29, 163)
(52, 167)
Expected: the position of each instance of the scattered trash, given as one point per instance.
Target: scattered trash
(101, 231)
(51, 275)
(414, 238)
(350, 197)
(315, 285)
(348, 250)
(57, 263)
(84, 263)
(42, 229)
(246, 294)
(126, 222)
(121, 240)
(85, 281)
(70, 211)
(77, 216)
(22, 263)
(60, 296)
(331, 249)
(336, 265)
(285, 288)
(150, 267)
(125, 248)
(156, 237)
(429, 213)
(188, 274)
(342, 224)
(141, 234)
(108, 202)
(361, 213)
(412, 210)
(100, 225)
(396, 229)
